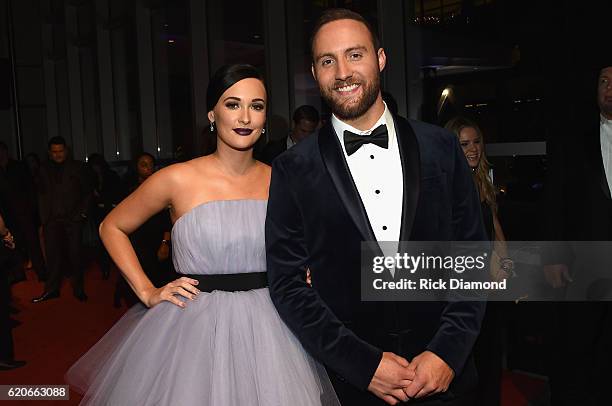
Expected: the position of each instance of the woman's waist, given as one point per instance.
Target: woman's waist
(229, 282)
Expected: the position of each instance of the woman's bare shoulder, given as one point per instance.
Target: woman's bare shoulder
(184, 172)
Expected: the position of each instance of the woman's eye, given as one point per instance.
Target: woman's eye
(258, 107)
(232, 106)
(464, 144)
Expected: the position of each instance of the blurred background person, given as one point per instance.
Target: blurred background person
(7, 246)
(107, 193)
(579, 208)
(305, 122)
(64, 196)
(18, 188)
(488, 351)
(151, 241)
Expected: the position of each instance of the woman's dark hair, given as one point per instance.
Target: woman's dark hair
(226, 77)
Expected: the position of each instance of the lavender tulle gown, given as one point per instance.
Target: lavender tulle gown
(223, 349)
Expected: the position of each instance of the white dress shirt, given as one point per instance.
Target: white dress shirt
(377, 173)
(605, 138)
(290, 141)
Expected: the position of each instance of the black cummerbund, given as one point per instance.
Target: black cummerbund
(232, 282)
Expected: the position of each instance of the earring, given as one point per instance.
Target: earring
(263, 130)
(212, 126)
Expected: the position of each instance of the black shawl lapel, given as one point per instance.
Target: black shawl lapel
(333, 159)
(411, 170)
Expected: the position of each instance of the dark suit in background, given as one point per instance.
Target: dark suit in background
(316, 219)
(273, 149)
(580, 209)
(64, 196)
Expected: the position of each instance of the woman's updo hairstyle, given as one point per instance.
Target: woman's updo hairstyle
(226, 77)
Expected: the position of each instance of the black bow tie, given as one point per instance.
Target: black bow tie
(352, 141)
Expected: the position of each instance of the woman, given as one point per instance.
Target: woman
(151, 241)
(186, 345)
(488, 347)
(470, 138)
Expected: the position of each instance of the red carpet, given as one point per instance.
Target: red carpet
(54, 334)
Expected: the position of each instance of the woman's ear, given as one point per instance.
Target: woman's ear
(211, 116)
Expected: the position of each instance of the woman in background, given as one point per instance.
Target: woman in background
(488, 348)
(151, 241)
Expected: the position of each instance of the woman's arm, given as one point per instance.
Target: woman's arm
(502, 265)
(5, 234)
(154, 195)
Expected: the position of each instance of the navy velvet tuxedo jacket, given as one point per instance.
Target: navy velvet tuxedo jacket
(316, 220)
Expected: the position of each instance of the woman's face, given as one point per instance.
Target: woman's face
(144, 166)
(471, 143)
(240, 114)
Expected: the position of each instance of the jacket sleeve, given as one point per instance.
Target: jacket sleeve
(460, 321)
(321, 333)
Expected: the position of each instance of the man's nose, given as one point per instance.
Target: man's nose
(343, 71)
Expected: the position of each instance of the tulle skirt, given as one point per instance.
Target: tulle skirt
(223, 349)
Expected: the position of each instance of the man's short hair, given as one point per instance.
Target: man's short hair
(306, 112)
(335, 14)
(57, 140)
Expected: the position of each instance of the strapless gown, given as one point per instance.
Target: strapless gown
(223, 349)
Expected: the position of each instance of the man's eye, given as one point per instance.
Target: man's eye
(326, 62)
(355, 56)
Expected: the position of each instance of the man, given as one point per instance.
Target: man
(64, 196)
(305, 122)
(580, 209)
(18, 188)
(410, 183)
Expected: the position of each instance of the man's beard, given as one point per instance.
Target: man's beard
(606, 109)
(350, 110)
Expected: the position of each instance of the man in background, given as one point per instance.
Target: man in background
(305, 122)
(64, 195)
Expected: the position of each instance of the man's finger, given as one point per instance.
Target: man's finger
(414, 388)
(425, 391)
(390, 399)
(400, 360)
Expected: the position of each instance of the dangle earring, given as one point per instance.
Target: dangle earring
(263, 130)
(212, 126)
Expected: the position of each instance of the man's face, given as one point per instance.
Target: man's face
(57, 153)
(347, 67)
(303, 129)
(604, 92)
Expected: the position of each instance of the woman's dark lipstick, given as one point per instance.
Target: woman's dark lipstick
(243, 131)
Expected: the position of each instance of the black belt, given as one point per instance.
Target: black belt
(233, 282)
